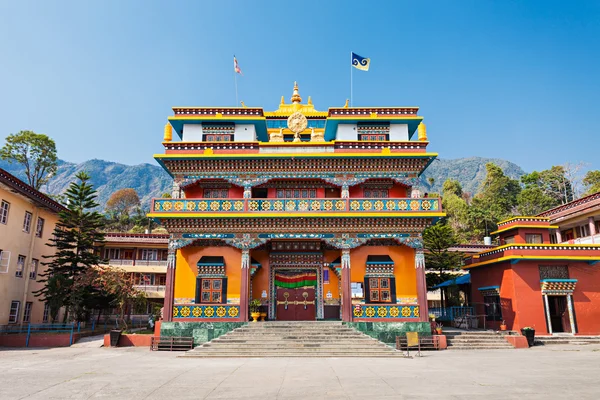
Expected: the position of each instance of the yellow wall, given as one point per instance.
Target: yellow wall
(187, 270)
(260, 281)
(17, 242)
(333, 286)
(404, 267)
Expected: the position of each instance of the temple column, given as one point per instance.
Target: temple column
(345, 193)
(558, 236)
(592, 225)
(170, 285)
(547, 312)
(346, 288)
(244, 285)
(421, 285)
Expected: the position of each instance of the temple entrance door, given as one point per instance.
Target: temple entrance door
(306, 309)
(286, 304)
(296, 304)
(559, 314)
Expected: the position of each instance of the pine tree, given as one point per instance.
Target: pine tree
(76, 238)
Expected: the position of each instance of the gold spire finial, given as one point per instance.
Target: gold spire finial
(346, 105)
(168, 136)
(309, 101)
(282, 100)
(243, 105)
(422, 131)
(296, 95)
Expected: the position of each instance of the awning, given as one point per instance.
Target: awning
(382, 259)
(296, 280)
(461, 280)
(211, 261)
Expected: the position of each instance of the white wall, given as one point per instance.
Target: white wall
(192, 133)
(346, 132)
(398, 132)
(245, 133)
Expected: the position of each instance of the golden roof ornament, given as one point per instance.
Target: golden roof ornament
(296, 95)
(422, 132)
(168, 134)
(297, 123)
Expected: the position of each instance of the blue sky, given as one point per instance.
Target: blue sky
(518, 80)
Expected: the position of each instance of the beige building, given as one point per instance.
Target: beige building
(577, 222)
(145, 257)
(27, 221)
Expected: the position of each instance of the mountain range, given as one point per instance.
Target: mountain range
(152, 181)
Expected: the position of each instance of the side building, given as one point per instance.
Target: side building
(144, 256)
(528, 281)
(577, 222)
(27, 221)
(310, 212)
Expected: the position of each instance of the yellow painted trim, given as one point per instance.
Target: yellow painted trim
(292, 144)
(259, 214)
(524, 226)
(381, 141)
(504, 246)
(299, 155)
(211, 117)
(379, 116)
(524, 216)
(502, 259)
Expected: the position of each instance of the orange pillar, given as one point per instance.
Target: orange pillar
(346, 289)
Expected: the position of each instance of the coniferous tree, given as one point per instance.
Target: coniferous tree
(76, 237)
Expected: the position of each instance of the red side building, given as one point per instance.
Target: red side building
(527, 281)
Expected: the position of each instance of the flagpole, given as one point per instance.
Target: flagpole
(236, 91)
(351, 67)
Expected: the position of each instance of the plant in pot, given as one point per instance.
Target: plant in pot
(503, 325)
(438, 328)
(529, 333)
(255, 309)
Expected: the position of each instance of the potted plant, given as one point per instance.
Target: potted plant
(255, 309)
(529, 333)
(438, 328)
(503, 325)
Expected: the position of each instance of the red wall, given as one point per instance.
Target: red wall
(130, 340)
(38, 340)
(522, 301)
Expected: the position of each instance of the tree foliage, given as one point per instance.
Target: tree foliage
(437, 239)
(36, 152)
(76, 238)
(592, 182)
(123, 201)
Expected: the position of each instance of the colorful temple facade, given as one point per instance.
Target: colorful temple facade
(311, 212)
(528, 281)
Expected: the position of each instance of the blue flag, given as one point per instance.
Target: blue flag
(361, 63)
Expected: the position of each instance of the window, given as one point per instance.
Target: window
(4, 206)
(376, 138)
(553, 239)
(493, 312)
(583, 231)
(27, 312)
(509, 239)
(14, 312)
(357, 290)
(296, 193)
(33, 268)
(567, 235)
(4, 261)
(218, 138)
(161, 280)
(216, 193)
(379, 290)
(27, 222)
(211, 290)
(533, 238)
(150, 254)
(39, 228)
(376, 193)
(112, 254)
(46, 312)
(20, 266)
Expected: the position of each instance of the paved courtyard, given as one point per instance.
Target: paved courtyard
(552, 372)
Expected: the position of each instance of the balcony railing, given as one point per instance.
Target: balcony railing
(593, 239)
(401, 205)
(140, 263)
(150, 288)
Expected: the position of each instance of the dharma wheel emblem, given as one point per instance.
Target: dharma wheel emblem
(297, 122)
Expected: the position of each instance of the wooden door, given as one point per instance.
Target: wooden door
(306, 309)
(286, 304)
(564, 313)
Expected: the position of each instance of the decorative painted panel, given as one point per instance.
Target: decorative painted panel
(294, 205)
(382, 311)
(197, 311)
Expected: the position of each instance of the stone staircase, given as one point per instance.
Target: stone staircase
(475, 340)
(566, 339)
(294, 339)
